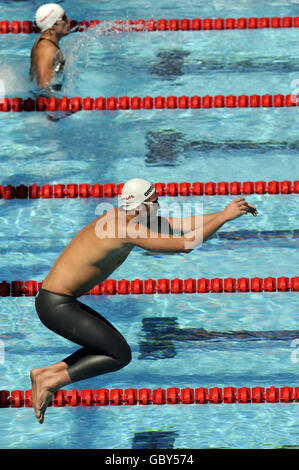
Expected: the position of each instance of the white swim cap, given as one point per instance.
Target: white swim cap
(47, 15)
(134, 192)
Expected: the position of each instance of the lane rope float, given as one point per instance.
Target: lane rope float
(112, 103)
(166, 286)
(159, 396)
(174, 24)
(172, 189)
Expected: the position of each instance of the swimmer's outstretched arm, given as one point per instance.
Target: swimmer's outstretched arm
(162, 242)
(183, 226)
(168, 243)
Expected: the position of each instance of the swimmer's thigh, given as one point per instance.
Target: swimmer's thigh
(82, 325)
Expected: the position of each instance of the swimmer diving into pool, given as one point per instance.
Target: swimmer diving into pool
(46, 58)
(91, 256)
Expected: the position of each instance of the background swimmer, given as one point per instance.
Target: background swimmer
(46, 58)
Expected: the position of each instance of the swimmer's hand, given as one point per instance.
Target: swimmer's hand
(238, 207)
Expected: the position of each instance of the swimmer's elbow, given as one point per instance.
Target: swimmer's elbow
(184, 249)
(183, 246)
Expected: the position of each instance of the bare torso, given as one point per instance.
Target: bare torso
(86, 261)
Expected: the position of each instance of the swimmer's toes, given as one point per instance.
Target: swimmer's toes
(43, 406)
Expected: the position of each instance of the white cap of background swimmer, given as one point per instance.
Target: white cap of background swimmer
(135, 192)
(47, 15)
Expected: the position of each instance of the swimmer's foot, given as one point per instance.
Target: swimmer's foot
(44, 384)
(52, 118)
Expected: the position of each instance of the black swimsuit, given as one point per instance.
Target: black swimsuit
(46, 39)
(104, 348)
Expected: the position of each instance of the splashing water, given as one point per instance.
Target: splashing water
(13, 81)
(77, 51)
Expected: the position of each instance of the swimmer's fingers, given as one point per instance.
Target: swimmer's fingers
(252, 209)
(244, 208)
(243, 205)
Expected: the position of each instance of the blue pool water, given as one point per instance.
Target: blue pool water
(163, 146)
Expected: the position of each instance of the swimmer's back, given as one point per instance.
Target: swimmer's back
(87, 260)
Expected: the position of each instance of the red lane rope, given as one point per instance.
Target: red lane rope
(112, 103)
(167, 286)
(111, 190)
(195, 24)
(159, 396)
